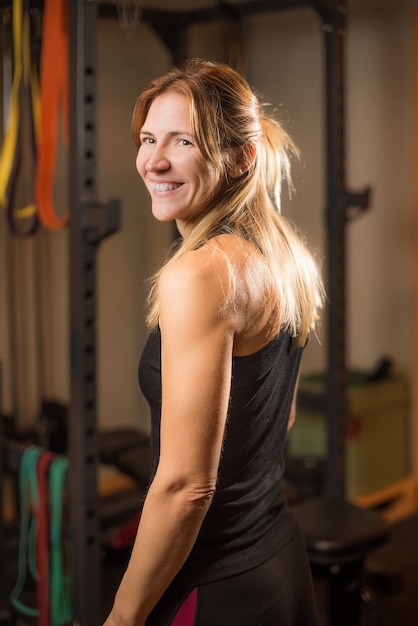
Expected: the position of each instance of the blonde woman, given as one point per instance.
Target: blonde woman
(229, 315)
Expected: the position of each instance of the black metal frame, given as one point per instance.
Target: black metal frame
(338, 201)
(171, 26)
(3, 599)
(91, 222)
(82, 423)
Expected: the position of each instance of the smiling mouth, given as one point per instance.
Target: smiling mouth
(165, 186)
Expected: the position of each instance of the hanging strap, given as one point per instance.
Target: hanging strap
(43, 543)
(24, 108)
(54, 92)
(28, 526)
(60, 590)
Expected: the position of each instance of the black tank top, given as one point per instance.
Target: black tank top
(248, 520)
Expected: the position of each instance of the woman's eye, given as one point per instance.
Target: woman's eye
(185, 142)
(146, 140)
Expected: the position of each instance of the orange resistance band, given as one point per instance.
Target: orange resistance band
(54, 92)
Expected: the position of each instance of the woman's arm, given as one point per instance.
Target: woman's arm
(197, 341)
(292, 415)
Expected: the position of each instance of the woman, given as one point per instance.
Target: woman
(230, 313)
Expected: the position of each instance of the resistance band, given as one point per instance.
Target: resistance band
(28, 526)
(54, 92)
(60, 592)
(44, 545)
(24, 108)
(42, 548)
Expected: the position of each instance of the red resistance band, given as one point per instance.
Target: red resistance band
(42, 544)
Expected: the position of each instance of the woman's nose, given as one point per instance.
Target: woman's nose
(158, 160)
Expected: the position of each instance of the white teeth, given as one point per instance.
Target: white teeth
(165, 186)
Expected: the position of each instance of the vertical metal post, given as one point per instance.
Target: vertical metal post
(86, 579)
(2, 550)
(2, 546)
(334, 32)
(5, 82)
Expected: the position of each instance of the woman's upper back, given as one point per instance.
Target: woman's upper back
(233, 280)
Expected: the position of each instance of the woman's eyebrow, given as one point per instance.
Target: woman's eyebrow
(171, 133)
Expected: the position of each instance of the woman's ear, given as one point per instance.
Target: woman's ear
(243, 159)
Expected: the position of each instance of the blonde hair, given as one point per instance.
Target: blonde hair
(227, 118)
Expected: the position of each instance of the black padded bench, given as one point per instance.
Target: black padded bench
(128, 450)
(339, 536)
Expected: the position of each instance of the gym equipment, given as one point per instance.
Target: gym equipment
(339, 536)
(91, 222)
(54, 92)
(24, 102)
(43, 547)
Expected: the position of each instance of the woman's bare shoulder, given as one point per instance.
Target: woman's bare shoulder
(198, 281)
(211, 262)
(206, 277)
(223, 281)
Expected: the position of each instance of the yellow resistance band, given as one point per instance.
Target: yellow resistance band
(24, 99)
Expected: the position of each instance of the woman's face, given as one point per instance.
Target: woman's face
(170, 163)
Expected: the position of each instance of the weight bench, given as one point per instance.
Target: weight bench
(129, 451)
(339, 536)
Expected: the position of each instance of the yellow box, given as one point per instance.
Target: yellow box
(376, 451)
